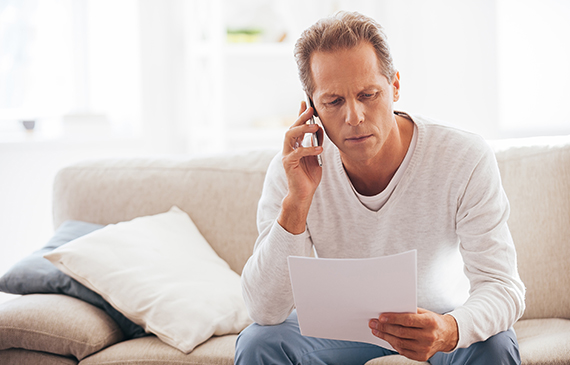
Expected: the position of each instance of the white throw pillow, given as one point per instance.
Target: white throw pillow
(161, 274)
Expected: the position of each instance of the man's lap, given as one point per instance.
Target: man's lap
(284, 344)
(284, 341)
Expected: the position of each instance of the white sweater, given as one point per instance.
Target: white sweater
(449, 205)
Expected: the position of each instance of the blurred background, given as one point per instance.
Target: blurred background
(83, 79)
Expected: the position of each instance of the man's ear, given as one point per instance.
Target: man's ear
(396, 86)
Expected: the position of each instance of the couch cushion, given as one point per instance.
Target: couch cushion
(536, 178)
(57, 324)
(27, 357)
(36, 275)
(221, 190)
(162, 274)
(544, 341)
(151, 351)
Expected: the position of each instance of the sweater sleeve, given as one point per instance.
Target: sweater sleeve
(265, 278)
(496, 296)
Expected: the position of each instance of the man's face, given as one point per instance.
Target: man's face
(354, 101)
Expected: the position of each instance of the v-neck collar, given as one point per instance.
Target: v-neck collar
(404, 180)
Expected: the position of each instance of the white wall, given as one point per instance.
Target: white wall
(446, 53)
(534, 59)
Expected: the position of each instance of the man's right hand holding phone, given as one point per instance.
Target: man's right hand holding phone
(303, 172)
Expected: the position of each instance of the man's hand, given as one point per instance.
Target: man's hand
(417, 336)
(303, 172)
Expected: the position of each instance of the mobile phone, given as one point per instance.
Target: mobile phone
(314, 139)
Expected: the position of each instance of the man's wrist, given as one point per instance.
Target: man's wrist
(453, 333)
(293, 216)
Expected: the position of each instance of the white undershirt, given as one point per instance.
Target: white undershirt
(377, 201)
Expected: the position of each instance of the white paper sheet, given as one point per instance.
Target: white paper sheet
(335, 298)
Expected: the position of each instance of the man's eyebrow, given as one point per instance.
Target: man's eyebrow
(329, 95)
(368, 87)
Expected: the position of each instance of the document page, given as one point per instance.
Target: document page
(335, 298)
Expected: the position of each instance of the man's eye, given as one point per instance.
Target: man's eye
(335, 102)
(368, 95)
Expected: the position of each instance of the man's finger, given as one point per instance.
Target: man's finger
(394, 330)
(423, 311)
(303, 117)
(398, 343)
(402, 319)
(407, 346)
(296, 135)
(303, 107)
(301, 152)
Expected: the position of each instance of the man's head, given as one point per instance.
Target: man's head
(344, 30)
(347, 70)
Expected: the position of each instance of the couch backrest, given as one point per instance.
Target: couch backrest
(536, 176)
(219, 193)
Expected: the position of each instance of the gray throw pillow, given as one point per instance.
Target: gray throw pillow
(36, 275)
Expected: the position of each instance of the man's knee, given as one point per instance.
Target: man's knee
(502, 348)
(505, 346)
(261, 344)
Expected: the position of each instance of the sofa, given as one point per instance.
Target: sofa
(220, 194)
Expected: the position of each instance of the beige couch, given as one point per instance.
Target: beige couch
(220, 194)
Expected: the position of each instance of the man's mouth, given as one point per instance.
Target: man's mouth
(359, 138)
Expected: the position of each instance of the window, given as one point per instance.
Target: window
(71, 65)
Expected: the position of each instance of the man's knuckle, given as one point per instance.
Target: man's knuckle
(431, 337)
(399, 331)
(399, 343)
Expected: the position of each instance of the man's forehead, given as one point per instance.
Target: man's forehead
(356, 67)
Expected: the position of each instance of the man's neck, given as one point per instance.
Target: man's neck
(371, 177)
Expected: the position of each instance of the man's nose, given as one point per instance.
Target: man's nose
(354, 113)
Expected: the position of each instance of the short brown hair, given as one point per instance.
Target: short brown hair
(343, 30)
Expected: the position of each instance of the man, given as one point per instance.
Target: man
(389, 183)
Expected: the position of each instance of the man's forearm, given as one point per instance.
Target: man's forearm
(293, 215)
(265, 277)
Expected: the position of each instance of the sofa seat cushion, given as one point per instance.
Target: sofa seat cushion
(20, 356)
(544, 341)
(56, 324)
(218, 350)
